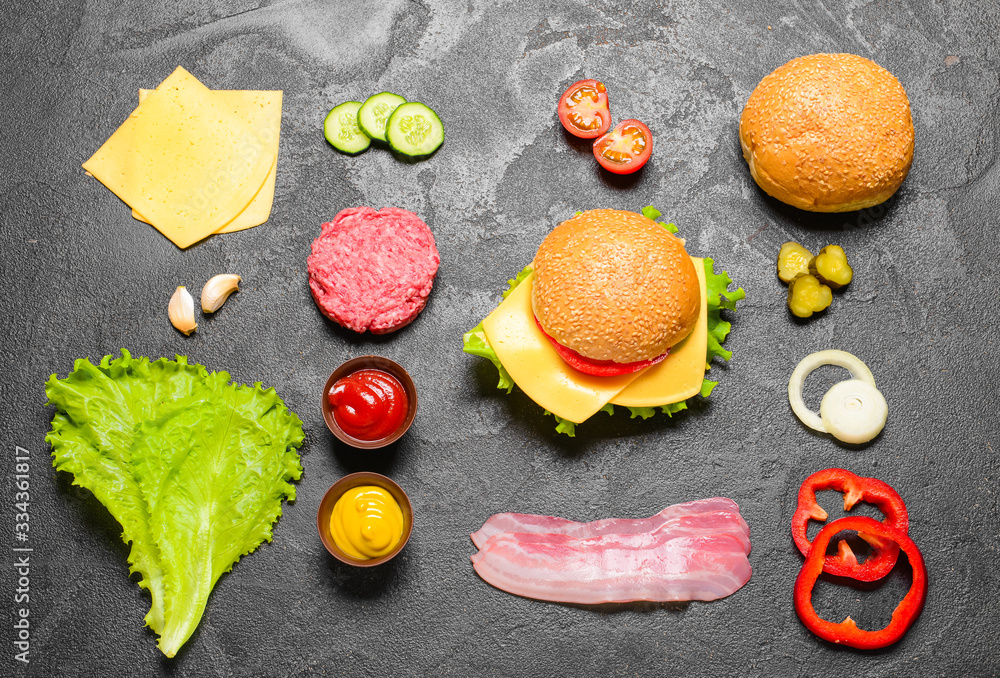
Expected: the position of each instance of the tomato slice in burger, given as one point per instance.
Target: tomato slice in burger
(597, 368)
(624, 149)
(584, 110)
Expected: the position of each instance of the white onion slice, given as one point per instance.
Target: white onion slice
(855, 412)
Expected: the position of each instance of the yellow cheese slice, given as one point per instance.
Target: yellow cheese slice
(261, 110)
(536, 367)
(679, 377)
(184, 161)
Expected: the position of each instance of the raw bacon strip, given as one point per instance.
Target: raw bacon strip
(524, 523)
(614, 568)
(716, 523)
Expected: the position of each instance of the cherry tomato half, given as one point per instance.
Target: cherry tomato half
(584, 110)
(624, 149)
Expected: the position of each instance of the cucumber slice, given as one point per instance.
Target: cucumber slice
(375, 112)
(414, 130)
(341, 129)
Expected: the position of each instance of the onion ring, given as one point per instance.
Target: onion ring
(853, 411)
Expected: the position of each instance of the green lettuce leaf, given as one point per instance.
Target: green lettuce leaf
(671, 409)
(568, 427)
(643, 412)
(564, 426)
(720, 298)
(474, 342)
(194, 468)
(518, 279)
(651, 212)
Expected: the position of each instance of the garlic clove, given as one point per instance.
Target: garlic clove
(181, 311)
(217, 290)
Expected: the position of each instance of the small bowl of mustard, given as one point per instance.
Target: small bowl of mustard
(364, 519)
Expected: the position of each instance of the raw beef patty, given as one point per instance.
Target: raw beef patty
(372, 270)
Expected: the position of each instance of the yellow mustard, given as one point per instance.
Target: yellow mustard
(366, 522)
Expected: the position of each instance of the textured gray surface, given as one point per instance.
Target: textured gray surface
(84, 279)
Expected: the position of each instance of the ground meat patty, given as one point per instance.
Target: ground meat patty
(373, 270)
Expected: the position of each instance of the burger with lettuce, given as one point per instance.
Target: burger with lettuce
(612, 311)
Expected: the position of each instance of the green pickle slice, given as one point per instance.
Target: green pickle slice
(793, 261)
(807, 295)
(831, 267)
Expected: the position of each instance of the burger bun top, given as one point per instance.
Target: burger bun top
(615, 285)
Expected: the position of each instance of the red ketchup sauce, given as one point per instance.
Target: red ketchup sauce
(368, 404)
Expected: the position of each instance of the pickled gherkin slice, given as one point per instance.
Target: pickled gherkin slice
(807, 295)
(793, 260)
(831, 267)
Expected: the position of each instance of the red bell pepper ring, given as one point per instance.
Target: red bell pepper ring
(847, 632)
(855, 489)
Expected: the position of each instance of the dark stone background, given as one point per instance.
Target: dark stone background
(82, 278)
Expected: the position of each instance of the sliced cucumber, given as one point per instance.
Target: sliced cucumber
(375, 113)
(414, 130)
(341, 129)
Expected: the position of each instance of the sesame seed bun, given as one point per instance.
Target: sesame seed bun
(614, 285)
(828, 133)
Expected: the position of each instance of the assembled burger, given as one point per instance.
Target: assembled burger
(613, 311)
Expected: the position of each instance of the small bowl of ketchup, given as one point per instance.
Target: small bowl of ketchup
(369, 402)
